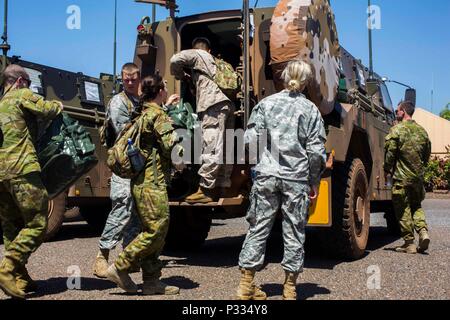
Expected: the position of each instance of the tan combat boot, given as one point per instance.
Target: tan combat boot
(101, 264)
(424, 240)
(24, 281)
(408, 247)
(122, 279)
(201, 196)
(152, 286)
(8, 279)
(247, 289)
(290, 286)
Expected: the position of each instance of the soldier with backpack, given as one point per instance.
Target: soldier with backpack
(213, 78)
(152, 136)
(122, 221)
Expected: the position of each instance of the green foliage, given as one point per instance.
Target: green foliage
(437, 174)
(446, 112)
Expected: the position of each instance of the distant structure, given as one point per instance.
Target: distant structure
(438, 130)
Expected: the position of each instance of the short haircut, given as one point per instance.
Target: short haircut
(201, 43)
(296, 75)
(131, 68)
(14, 72)
(408, 107)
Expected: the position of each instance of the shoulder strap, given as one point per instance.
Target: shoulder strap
(130, 104)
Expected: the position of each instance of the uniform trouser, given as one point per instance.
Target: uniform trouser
(152, 204)
(123, 221)
(215, 172)
(407, 202)
(267, 196)
(23, 215)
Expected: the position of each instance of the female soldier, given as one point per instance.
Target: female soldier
(150, 194)
(287, 176)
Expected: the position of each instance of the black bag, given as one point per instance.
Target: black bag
(65, 153)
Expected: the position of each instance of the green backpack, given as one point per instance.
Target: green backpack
(118, 161)
(65, 152)
(183, 116)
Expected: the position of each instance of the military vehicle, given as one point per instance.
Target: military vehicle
(258, 42)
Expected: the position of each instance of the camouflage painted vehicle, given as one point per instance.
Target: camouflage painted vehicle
(354, 102)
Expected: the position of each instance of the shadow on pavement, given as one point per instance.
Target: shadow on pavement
(304, 290)
(80, 230)
(58, 285)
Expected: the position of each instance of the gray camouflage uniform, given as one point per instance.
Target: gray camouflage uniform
(123, 220)
(215, 111)
(295, 129)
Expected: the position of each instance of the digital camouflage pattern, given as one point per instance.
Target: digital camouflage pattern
(407, 202)
(292, 131)
(23, 215)
(20, 113)
(150, 194)
(407, 152)
(203, 68)
(306, 30)
(268, 195)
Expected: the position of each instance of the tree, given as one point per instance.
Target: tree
(446, 112)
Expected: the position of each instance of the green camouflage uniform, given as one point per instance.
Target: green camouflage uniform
(407, 152)
(150, 193)
(23, 198)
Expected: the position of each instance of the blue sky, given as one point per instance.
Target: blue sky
(413, 45)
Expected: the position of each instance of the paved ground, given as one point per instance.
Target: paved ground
(211, 273)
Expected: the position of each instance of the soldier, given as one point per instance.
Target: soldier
(150, 194)
(216, 113)
(407, 152)
(287, 176)
(123, 221)
(23, 197)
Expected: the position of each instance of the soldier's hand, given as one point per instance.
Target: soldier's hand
(173, 99)
(314, 193)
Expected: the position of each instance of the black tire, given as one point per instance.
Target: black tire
(96, 216)
(349, 233)
(188, 228)
(56, 211)
(393, 227)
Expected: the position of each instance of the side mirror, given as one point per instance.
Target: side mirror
(410, 95)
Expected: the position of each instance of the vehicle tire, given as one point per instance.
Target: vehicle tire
(351, 210)
(393, 227)
(95, 216)
(56, 211)
(188, 228)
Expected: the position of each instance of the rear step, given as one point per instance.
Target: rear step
(236, 201)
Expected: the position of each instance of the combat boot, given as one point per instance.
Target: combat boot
(101, 264)
(8, 280)
(290, 286)
(152, 286)
(24, 281)
(407, 247)
(122, 279)
(202, 196)
(424, 240)
(247, 289)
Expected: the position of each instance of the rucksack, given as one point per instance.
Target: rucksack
(228, 80)
(65, 152)
(106, 131)
(118, 161)
(183, 116)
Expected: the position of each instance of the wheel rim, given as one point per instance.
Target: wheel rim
(359, 207)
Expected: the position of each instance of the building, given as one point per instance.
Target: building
(438, 130)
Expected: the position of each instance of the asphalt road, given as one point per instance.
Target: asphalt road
(212, 273)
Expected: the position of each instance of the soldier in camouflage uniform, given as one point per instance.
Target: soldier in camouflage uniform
(123, 220)
(150, 194)
(287, 178)
(407, 152)
(23, 198)
(216, 113)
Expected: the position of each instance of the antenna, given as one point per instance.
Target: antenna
(256, 4)
(115, 48)
(5, 46)
(370, 40)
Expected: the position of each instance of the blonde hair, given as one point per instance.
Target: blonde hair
(297, 75)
